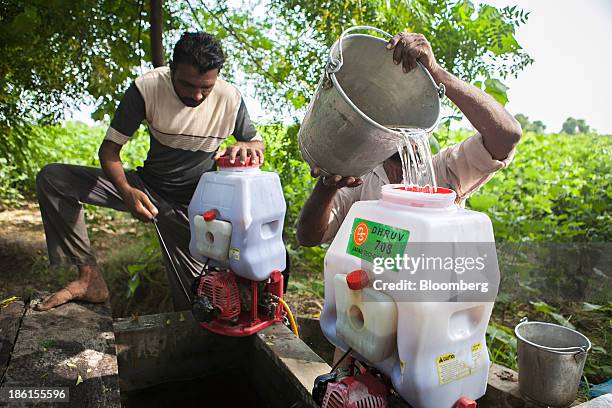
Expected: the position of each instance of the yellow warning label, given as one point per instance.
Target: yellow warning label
(450, 368)
(476, 352)
(445, 358)
(234, 253)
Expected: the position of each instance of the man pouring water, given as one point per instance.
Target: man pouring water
(464, 167)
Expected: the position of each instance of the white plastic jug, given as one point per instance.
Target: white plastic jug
(438, 353)
(367, 320)
(236, 220)
(213, 236)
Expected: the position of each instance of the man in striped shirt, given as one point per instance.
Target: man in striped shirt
(189, 112)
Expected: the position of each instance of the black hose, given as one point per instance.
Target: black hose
(345, 355)
(178, 276)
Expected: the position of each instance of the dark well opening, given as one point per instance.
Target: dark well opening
(225, 389)
(169, 360)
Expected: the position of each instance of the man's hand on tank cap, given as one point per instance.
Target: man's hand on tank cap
(410, 47)
(243, 149)
(337, 180)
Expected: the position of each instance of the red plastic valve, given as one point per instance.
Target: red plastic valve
(210, 215)
(465, 402)
(357, 280)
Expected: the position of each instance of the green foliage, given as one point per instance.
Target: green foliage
(495, 88)
(502, 345)
(460, 33)
(573, 126)
(282, 51)
(96, 50)
(569, 126)
(582, 126)
(73, 143)
(556, 189)
(283, 156)
(49, 343)
(301, 284)
(147, 267)
(259, 49)
(55, 54)
(545, 308)
(536, 127)
(10, 181)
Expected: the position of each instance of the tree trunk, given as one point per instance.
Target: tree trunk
(157, 46)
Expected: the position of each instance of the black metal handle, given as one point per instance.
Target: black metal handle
(165, 248)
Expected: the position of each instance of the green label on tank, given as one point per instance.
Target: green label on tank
(369, 240)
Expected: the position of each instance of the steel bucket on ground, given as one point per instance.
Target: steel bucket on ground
(361, 94)
(550, 359)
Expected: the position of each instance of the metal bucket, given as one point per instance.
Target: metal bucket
(551, 359)
(361, 94)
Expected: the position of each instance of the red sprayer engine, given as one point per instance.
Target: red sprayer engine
(357, 385)
(227, 304)
(362, 390)
(354, 386)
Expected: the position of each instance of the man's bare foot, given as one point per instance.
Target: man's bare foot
(90, 287)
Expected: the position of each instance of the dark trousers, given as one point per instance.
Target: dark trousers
(61, 188)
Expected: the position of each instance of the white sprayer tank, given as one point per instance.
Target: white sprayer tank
(236, 219)
(434, 352)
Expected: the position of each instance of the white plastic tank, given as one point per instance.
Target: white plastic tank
(433, 351)
(236, 220)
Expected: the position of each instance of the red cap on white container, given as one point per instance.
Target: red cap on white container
(357, 280)
(224, 162)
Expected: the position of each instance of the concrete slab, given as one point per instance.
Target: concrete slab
(70, 346)
(292, 358)
(502, 390)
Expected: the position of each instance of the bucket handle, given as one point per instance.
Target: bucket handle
(334, 64)
(582, 350)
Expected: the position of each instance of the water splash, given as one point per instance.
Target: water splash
(417, 163)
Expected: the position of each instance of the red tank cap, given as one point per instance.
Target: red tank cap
(224, 161)
(465, 402)
(209, 215)
(439, 190)
(357, 280)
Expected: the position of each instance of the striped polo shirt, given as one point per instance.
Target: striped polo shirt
(183, 139)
